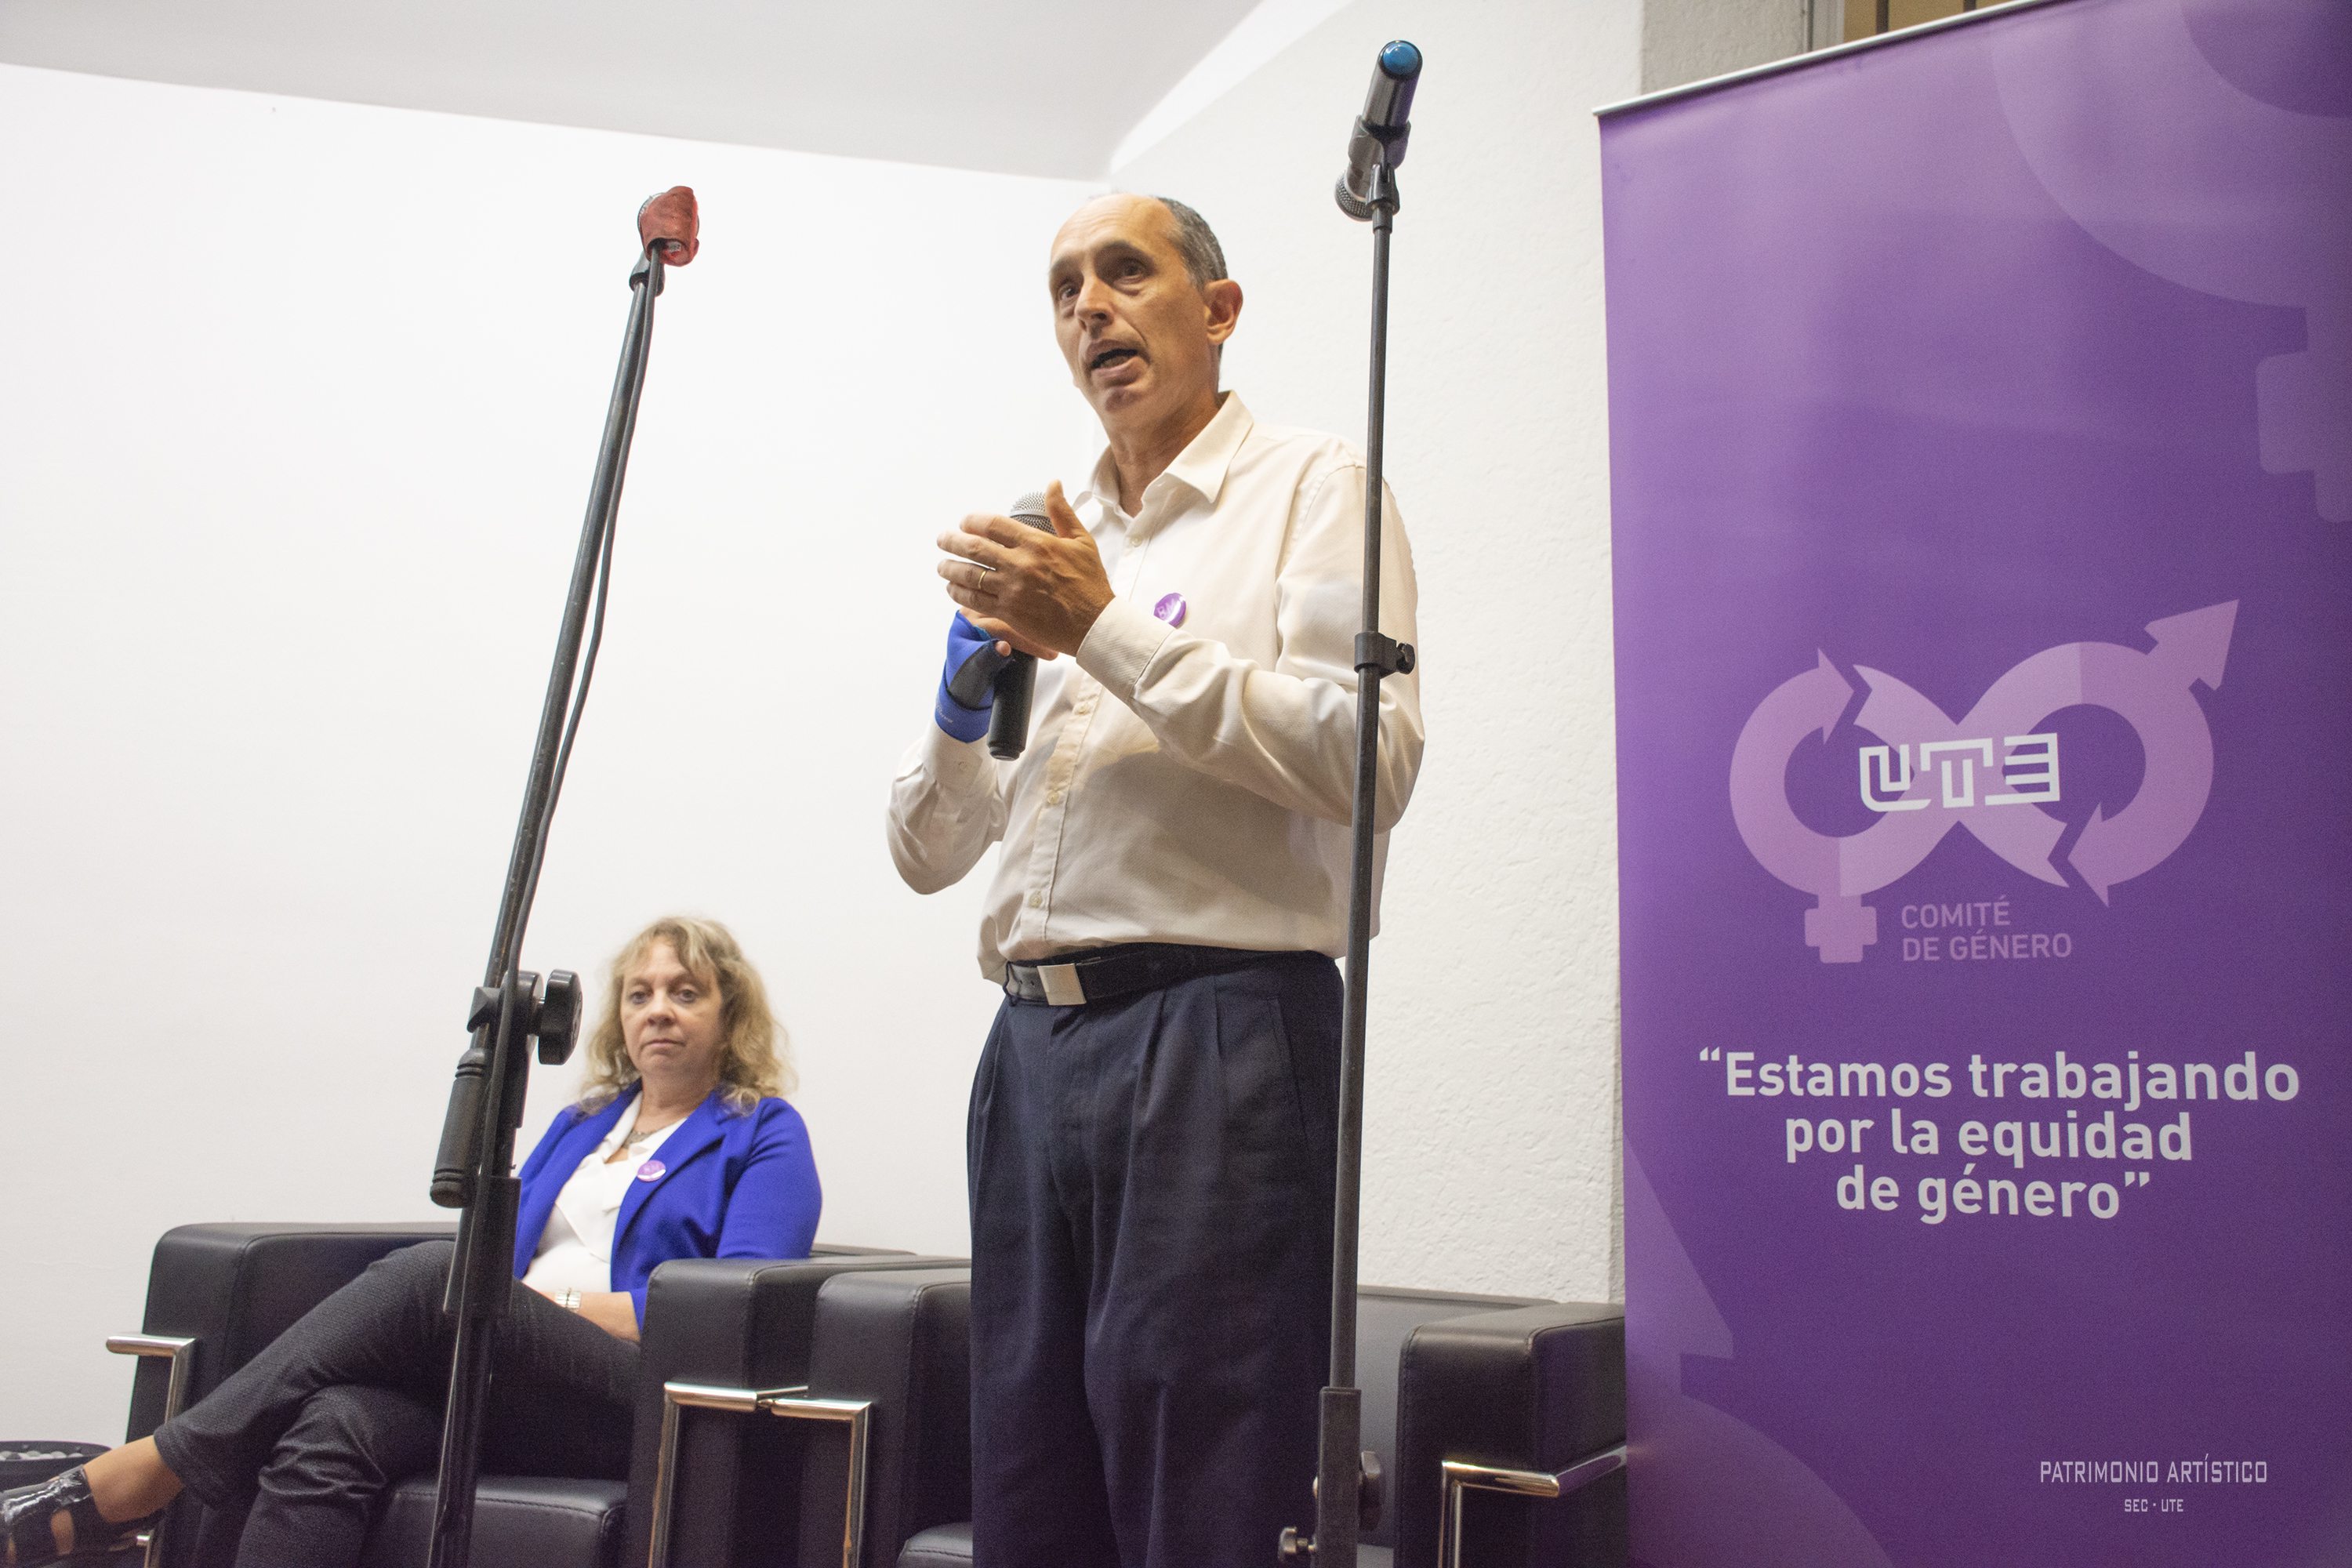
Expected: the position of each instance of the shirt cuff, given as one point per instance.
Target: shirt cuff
(1120, 646)
(955, 763)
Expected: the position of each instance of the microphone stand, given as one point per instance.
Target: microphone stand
(474, 1169)
(1347, 1478)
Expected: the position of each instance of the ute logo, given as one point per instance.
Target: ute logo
(1982, 772)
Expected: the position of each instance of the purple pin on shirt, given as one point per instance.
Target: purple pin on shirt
(651, 1171)
(1170, 608)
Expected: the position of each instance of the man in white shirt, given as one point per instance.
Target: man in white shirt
(1151, 1127)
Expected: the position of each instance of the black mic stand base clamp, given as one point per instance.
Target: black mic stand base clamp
(548, 1014)
(1384, 198)
(1298, 1547)
(1379, 654)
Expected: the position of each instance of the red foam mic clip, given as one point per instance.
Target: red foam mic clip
(672, 221)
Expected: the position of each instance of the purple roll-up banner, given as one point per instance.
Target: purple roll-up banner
(1980, 412)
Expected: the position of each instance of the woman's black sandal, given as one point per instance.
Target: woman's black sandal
(26, 1513)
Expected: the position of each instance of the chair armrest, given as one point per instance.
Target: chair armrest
(234, 1287)
(729, 1323)
(1533, 1390)
(899, 1342)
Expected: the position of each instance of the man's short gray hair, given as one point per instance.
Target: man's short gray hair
(1196, 242)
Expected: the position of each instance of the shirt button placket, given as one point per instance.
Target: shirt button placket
(1060, 768)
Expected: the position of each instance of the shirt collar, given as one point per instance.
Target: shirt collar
(1200, 466)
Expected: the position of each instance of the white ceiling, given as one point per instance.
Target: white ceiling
(1034, 86)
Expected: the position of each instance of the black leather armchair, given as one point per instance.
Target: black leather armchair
(1499, 1423)
(217, 1293)
(884, 1415)
(1510, 1438)
(907, 1347)
(726, 1340)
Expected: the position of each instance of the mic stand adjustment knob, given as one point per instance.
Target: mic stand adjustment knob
(548, 1014)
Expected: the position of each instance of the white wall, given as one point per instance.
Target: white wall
(298, 405)
(1491, 1158)
(1690, 40)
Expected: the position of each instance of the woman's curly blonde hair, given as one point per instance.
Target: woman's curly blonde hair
(753, 1063)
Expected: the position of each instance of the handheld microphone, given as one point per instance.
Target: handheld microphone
(674, 221)
(1008, 721)
(1382, 130)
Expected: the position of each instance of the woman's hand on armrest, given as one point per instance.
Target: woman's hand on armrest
(615, 1311)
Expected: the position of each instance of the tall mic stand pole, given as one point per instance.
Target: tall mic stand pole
(474, 1171)
(1347, 1478)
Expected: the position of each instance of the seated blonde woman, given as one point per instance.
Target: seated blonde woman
(679, 1147)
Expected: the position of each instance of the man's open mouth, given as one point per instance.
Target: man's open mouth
(1110, 356)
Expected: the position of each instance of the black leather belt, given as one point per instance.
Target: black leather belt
(1099, 974)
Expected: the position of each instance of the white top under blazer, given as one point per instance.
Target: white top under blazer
(576, 1250)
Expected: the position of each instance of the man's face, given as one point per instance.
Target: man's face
(1140, 338)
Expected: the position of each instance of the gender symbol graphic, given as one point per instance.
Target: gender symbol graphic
(2132, 131)
(2150, 691)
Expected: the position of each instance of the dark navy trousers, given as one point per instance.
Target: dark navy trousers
(1151, 1207)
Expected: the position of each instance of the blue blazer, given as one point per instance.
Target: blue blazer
(733, 1184)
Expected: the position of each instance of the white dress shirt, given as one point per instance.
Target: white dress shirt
(576, 1250)
(1206, 800)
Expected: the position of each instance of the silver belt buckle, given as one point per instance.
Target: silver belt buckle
(1063, 988)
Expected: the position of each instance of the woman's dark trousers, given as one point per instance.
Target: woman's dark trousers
(317, 1428)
